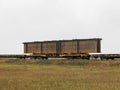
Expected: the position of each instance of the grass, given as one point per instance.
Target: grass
(59, 74)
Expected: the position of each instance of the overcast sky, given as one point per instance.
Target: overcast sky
(39, 20)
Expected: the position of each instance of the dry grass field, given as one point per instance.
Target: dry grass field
(59, 74)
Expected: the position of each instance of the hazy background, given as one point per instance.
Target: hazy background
(39, 20)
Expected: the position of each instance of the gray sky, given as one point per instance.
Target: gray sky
(39, 20)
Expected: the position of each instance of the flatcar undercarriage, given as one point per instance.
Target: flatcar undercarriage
(67, 56)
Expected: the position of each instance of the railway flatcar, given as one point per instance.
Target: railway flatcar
(75, 48)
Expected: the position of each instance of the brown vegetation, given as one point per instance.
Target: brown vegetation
(59, 75)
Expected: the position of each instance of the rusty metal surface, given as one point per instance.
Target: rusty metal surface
(32, 48)
(25, 48)
(49, 47)
(69, 47)
(88, 46)
(64, 46)
(98, 45)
